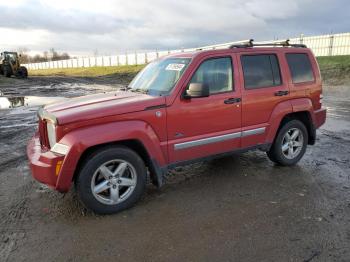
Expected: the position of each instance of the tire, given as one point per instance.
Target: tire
(22, 72)
(97, 187)
(293, 149)
(7, 71)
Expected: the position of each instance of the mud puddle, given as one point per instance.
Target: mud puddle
(27, 101)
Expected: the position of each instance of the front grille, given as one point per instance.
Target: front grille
(44, 140)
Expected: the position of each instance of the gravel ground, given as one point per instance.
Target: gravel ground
(238, 208)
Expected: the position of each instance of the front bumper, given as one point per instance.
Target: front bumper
(42, 163)
(320, 117)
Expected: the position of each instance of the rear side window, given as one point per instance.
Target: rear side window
(300, 68)
(260, 71)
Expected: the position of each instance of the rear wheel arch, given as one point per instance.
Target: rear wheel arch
(306, 119)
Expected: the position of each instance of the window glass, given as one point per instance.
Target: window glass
(260, 71)
(160, 76)
(300, 68)
(216, 73)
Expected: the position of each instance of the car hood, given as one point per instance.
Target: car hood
(101, 105)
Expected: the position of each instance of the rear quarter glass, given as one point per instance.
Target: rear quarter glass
(300, 68)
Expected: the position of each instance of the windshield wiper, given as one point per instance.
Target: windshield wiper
(125, 88)
(139, 90)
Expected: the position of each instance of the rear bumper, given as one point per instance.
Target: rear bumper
(320, 117)
(42, 163)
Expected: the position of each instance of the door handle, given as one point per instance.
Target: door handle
(233, 100)
(281, 93)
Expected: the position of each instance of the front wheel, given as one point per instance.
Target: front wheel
(290, 144)
(111, 180)
(7, 71)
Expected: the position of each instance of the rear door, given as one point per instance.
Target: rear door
(302, 76)
(263, 87)
(199, 127)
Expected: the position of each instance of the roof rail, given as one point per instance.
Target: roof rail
(284, 43)
(221, 46)
(242, 44)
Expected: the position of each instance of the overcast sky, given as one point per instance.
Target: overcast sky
(112, 26)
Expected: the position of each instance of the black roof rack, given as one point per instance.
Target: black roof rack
(250, 43)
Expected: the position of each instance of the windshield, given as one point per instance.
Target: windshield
(159, 77)
(11, 56)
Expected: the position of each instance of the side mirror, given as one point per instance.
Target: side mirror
(196, 90)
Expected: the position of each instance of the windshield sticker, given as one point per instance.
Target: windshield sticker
(175, 67)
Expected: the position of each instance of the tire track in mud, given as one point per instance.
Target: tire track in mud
(333, 205)
(15, 129)
(12, 222)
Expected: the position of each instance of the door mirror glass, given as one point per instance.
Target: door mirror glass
(196, 90)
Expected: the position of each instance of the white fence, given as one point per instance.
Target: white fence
(323, 45)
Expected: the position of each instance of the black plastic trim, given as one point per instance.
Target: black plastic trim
(155, 107)
(156, 173)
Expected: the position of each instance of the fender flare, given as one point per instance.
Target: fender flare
(278, 113)
(83, 138)
(287, 107)
(303, 105)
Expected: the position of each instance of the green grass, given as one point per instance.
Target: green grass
(335, 69)
(334, 61)
(88, 71)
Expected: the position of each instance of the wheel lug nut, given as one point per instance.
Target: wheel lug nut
(114, 186)
(108, 184)
(119, 181)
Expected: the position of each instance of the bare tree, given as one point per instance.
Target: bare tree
(51, 55)
(24, 57)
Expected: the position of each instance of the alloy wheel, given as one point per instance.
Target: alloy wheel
(292, 143)
(113, 182)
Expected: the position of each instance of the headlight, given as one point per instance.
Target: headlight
(51, 133)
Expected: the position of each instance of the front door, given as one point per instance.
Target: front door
(200, 127)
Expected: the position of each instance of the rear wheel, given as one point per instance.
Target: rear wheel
(22, 72)
(290, 144)
(111, 180)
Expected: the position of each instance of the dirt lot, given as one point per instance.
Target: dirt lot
(239, 208)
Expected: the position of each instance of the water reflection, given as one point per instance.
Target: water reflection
(27, 101)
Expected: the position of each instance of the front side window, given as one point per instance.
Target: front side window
(159, 77)
(216, 73)
(260, 71)
(300, 68)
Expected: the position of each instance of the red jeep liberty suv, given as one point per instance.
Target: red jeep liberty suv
(179, 109)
